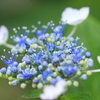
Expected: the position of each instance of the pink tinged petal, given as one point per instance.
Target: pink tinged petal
(98, 58)
(3, 34)
(74, 16)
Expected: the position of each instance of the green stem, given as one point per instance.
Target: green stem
(73, 31)
(8, 45)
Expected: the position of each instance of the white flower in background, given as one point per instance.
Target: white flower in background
(4, 37)
(98, 58)
(74, 16)
(52, 92)
(3, 34)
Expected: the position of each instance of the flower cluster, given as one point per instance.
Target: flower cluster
(46, 58)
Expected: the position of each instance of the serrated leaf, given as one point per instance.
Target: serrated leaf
(82, 96)
(33, 94)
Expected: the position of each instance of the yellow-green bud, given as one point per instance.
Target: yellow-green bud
(40, 76)
(0, 74)
(89, 73)
(75, 83)
(58, 43)
(68, 83)
(55, 74)
(23, 85)
(34, 85)
(10, 78)
(34, 46)
(78, 73)
(49, 78)
(40, 86)
(10, 83)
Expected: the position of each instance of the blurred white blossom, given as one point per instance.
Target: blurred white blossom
(3, 34)
(98, 58)
(74, 16)
(52, 92)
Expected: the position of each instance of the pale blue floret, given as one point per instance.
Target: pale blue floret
(35, 80)
(26, 59)
(53, 81)
(3, 70)
(84, 77)
(88, 54)
(14, 83)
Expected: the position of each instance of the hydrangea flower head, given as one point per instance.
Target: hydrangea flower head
(45, 59)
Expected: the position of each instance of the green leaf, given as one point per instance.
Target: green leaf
(83, 96)
(33, 94)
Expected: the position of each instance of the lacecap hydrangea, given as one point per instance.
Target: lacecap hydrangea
(46, 58)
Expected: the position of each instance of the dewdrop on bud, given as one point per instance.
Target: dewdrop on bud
(68, 83)
(23, 85)
(75, 83)
(40, 86)
(88, 73)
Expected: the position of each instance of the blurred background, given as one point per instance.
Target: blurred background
(14, 13)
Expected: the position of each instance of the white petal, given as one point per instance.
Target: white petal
(84, 12)
(52, 92)
(3, 34)
(74, 16)
(98, 58)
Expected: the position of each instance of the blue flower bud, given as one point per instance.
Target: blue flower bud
(44, 63)
(35, 80)
(30, 51)
(14, 69)
(84, 77)
(55, 59)
(53, 81)
(15, 63)
(58, 78)
(26, 59)
(3, 70)
(8, 72)
(40, 67)
(88, 54)
(14, 83)
(20, 76)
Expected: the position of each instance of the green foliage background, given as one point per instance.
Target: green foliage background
(14, 13)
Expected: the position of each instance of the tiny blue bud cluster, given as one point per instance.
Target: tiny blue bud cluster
(46, 58)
